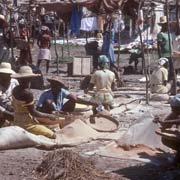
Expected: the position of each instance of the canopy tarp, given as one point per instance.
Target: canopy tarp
(97, 6)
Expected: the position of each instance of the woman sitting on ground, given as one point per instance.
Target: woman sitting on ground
(26, 116)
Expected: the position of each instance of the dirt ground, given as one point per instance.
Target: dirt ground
(21, 164)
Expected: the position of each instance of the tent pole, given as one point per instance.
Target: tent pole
(177, 17)
(143, 57)
(11, 38)
(174, 86)
(119, 43)
(55, 47)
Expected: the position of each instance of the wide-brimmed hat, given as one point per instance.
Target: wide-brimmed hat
(162, 20)
(5, 68)
(3, 22)
(24, 72)
(56, 79)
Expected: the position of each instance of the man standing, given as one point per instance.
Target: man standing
(44, 43)
(165, 45)
(4, 50)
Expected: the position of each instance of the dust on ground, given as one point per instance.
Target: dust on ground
(22, 164)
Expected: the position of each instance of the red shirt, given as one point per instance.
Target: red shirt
(44, 41)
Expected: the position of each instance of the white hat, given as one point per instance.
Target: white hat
(5, 68)
(162, 20)
(24, 72)
(162, 61)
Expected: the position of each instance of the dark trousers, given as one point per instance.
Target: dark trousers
(175, 145)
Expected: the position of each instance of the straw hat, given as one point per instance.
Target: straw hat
(56, 79)
(162, 20)
(24, 72)
(5, 68)
(3, 22)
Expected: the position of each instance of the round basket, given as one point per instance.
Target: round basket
(104, 124)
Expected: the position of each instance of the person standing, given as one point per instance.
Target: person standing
(4, 49)
(44, 43)
(25, 57)
(164, 48)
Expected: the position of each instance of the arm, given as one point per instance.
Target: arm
(80, 101)
(169, 123)
(6, 114)
(38, 41)
(49, 42)
(43, 118)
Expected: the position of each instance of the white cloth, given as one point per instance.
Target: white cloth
(44, 54)
(89, 24)
(6, 94)
(158, 76)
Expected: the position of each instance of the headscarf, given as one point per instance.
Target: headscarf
(103, 60)
(162, 61)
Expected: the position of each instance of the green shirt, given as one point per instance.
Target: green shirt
(163, 41)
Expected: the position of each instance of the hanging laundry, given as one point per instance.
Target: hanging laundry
(89, 24)
(75, 22)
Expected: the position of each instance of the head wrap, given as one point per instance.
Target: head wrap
(103, 59)
(162, 61)
(175, 101)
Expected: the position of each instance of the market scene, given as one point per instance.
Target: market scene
(89, 89)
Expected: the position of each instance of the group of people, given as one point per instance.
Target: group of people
(163, 76)
(20, 36)
(18, 105)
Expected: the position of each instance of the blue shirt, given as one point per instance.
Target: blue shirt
(47, 95)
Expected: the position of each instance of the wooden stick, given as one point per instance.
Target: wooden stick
(174, 87)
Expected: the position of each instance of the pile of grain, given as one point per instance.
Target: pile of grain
(68, 165)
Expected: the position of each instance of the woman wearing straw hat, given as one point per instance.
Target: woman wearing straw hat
(7, 84)
(26, 116)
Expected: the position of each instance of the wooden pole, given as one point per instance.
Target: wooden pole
(55, 47)
(11, 38)
(119, 43)
(174, 86)
(143, 57)
(177, 17)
